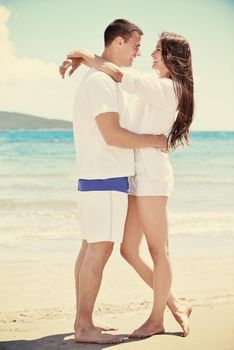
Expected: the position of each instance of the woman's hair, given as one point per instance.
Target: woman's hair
(177, 58)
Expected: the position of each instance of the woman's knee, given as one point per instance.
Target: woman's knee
(129, 253)
(158, 251)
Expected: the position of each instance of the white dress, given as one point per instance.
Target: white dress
(153, 112)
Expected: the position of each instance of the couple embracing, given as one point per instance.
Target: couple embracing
(123, 170)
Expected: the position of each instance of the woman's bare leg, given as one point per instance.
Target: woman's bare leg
(153, 218)
(130, 247)
(130, 250)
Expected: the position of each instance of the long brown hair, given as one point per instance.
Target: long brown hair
(177, 58)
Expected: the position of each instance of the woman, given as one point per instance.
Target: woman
(164, 104)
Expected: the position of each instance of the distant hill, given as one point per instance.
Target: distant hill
(16, 121)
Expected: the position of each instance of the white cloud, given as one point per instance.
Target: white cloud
(30, 85)
(6, 47)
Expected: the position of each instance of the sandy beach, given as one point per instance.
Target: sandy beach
(39, 219)
(39, 241)
(37, 302)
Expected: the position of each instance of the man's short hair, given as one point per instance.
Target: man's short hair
(120, 27)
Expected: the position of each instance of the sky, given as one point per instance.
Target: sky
(35, 37)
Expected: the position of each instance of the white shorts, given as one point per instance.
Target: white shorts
(142, 185)
(102, 215)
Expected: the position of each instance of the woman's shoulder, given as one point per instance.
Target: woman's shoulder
(169, 91)
(167, 85)
(166, 82)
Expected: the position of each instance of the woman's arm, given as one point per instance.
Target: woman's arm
(144, 86)
(134, 83)
(90, 60)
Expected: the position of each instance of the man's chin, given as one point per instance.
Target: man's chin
(127, 64)
(130, 63)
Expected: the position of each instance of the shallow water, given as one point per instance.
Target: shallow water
(38, 194)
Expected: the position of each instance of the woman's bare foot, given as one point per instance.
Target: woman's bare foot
(93, 335)
(182, 317)
(100, 326)
(148, 329)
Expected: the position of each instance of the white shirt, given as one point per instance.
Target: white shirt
(154, 112)
(97, 94)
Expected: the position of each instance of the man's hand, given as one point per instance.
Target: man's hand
(74, 63)
(162, 143)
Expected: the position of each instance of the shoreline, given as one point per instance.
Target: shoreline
(181, 246)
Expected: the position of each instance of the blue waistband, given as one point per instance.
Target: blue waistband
(119, 184)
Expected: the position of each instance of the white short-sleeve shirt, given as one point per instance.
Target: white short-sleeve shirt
(97, 94)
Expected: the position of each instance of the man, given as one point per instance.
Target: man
(104, 161)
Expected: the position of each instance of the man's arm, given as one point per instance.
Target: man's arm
(115, 135)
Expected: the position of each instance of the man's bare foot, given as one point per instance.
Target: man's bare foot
(93, 335)
(182, 317)
(100, 326)
(104, 327)
(148, 329)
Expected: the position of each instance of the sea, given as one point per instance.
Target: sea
(38, 205)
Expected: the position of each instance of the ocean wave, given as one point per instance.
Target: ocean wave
(35, 175)
(210, 182)
(64, 223)
(36, 204)
(201, 215)
(213, 223)
(15, 236)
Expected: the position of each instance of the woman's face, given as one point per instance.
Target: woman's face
(158, 62)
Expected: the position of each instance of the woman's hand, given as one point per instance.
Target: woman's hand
(75, 58)
(74, 63)
(162, 143)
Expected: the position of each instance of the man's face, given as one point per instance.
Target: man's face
(130, 50)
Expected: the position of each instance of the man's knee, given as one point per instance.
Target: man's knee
(103, 249)
(84, 246)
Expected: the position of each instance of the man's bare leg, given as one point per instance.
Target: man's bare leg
(90, 276)
(78, 265)
(130, 250)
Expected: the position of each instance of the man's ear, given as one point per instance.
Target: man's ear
(119, 41)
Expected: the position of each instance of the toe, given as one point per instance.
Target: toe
(185, 331)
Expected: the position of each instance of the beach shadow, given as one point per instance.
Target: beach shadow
(64, 342)
(54, 342)
(175, 334)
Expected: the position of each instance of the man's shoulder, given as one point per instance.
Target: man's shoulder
(94, 76)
